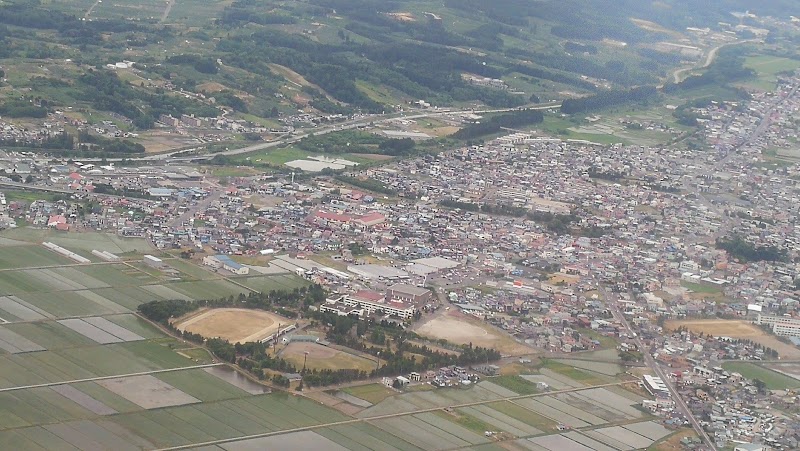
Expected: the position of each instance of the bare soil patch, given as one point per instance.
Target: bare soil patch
(322, 357)
(459, 329)
(147, 391)
(211, 86)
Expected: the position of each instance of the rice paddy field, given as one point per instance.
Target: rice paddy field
(80, 370)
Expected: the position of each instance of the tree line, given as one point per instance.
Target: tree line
(610, 98)
(495, 124)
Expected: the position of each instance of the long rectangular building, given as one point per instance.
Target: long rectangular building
(784, 326)
(369, 305)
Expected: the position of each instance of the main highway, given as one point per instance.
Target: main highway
(175, 155)
(658, 371)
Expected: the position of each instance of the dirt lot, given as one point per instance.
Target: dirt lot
(234, 325)
(212, 87)
(737, 329)
(563, 278)
(148, 391)
(322, 357)
(158, 141)
(461, 329)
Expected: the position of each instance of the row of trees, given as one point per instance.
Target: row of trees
(367, 184)
(607, 99)
(296, 299)
(402, 356)
(66, 144)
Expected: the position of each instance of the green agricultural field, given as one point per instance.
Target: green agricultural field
(773, 379)
(702, 288)
(29, 196)
(118, 275)
(107, 397)
(136, 325)
(276, 156)
(516, 384)
(85, 241)
(277, 283)
(195, 12)
(191, 270)
(467, 421)
(525, 415)
(202, 385)
(15, 282)
(582, 376)
(208, 289)
(373, 393)
(50, 334)
(768, 67)
(72, 303)
(30, 256)
(605, 368)
(199, 355)
(129, 297)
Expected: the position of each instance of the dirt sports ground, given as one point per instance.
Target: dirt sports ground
(462, 329)
(737, 329)
(322, 357)
(234, 325)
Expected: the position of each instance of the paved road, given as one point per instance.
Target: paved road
(376, 119)
(680, 404)
(712, 55)
(89, 12)
(348, 125)
(25, 186)
(167, 10)
(380, 417)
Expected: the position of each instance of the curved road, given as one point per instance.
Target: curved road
(712, 55)
(167, 10)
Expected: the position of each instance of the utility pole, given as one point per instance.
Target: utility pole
(275, 341)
